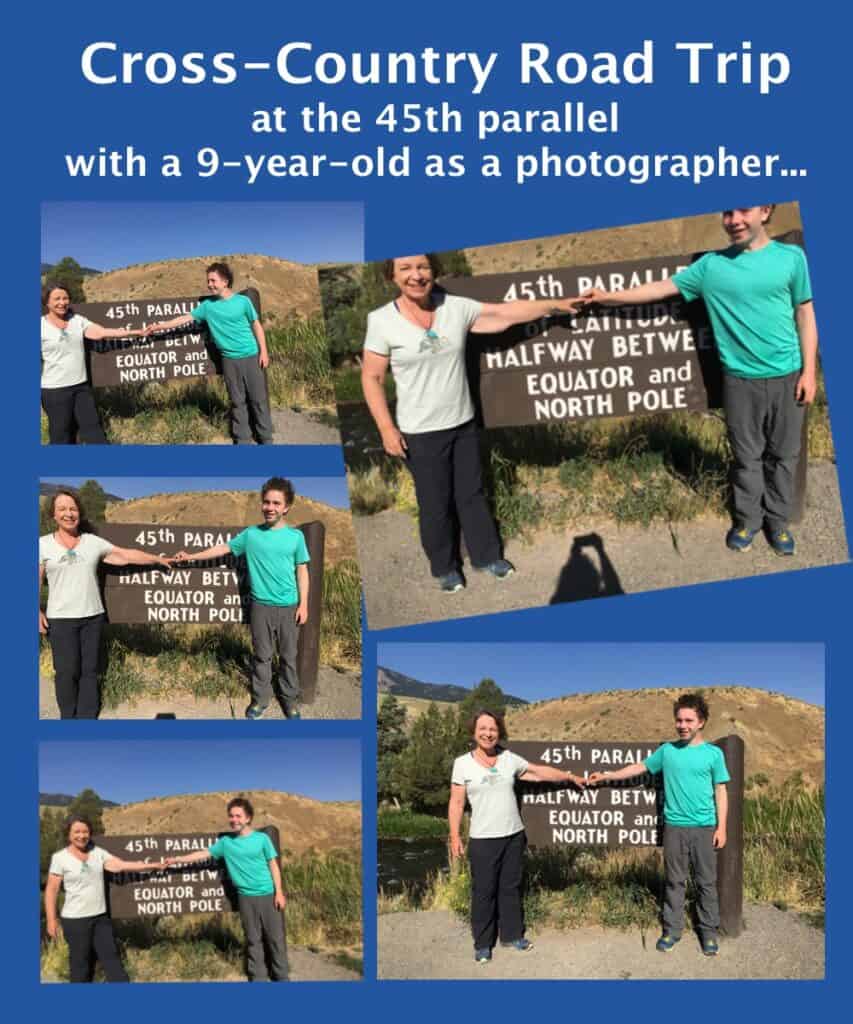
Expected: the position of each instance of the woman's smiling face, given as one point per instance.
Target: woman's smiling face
(413, 276)
(58, 301)
(66, 513)
(486, 732)
(79, 835)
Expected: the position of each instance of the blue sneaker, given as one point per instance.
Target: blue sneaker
(499, 569)
(740, 539)
(256, 711)
(482, 956)
(522, 945)
(451, 582)
(709, 946)
(782, 542)
(666, 943)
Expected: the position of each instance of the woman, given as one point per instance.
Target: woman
(421, 336)
(487, 776)
(79, 869)
(69, 558)
(66, 395)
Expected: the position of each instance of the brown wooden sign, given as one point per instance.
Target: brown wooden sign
(624, 813)
(211, 593)
(202, 888)
(609, 361)
(185, 353)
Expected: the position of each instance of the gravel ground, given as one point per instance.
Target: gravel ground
(399, 590)
(291, 427)
(338, 695)
(436, 944)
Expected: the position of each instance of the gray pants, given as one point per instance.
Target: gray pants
(765, 426)
(263, 925)
(246, 383)
(684, 848)
(274, 629)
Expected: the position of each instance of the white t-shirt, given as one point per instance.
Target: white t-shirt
(72, 575)
(491, 794)
(63, 352)
(428, 366)
(83, 882)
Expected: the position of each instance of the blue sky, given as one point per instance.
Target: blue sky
(127, 772)
(105, 236)
(543, 671)
(329, 489)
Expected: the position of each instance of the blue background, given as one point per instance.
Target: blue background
(50, 109)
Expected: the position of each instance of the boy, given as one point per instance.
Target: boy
(252, 863)
(759, 300)
(238, 334)
(694, 814)
(277, 561)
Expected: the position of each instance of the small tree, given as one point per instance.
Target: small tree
(89, 805)
(422, 774)
(486, 696)
(51, 838)
(94, 499)
(390, 742)
(69, 273)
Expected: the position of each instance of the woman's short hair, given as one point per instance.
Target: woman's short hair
(76, 819)
(387, 266)
(52, 286)
(498, 720)
(223, 270)
(67, 492)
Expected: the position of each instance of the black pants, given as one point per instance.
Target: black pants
(74, 644)
(89, 938)
(497, 868)
(448, 479)
(69, 408)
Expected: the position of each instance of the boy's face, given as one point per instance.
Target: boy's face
(216, 283)
(746, 225)
(688, 724)
(274, 507)
(238, 819)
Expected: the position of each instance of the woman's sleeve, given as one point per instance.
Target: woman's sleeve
(519, 765)
(457, 776)
(376, 337)
(470, 310)
(56, 866)
(104, 547)
(83, 321)
(42, 550)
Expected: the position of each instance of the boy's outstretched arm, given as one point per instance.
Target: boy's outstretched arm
(654, 291)
(628, 772)
(721, 799)
(807, 333)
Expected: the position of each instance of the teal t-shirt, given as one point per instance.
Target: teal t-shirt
(689, 777)
(751, 298)
(272, 556)
(247, 859)
(230, 322)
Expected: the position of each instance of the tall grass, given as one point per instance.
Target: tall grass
(784, 846)
(299, 373)
(323, 914)
(156, 660)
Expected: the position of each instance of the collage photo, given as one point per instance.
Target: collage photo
(346, 519)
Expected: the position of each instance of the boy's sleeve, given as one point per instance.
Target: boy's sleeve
(375, 339)
(270, 852)
(238, 543)
(801, 286)
(302, 556)
(251, 312)
(654, 762)
(199, 312)
(719, 772)
(690, 280)
(217, 851)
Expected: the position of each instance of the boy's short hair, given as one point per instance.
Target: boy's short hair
(243, 804)
(223, 270)
(693, 702)
(279, 483)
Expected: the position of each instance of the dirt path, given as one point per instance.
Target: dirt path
(291, 427)
(399, 590)
(304, 966)
(338, 695)
(436, 944)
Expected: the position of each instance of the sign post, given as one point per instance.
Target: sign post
(212, 593)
